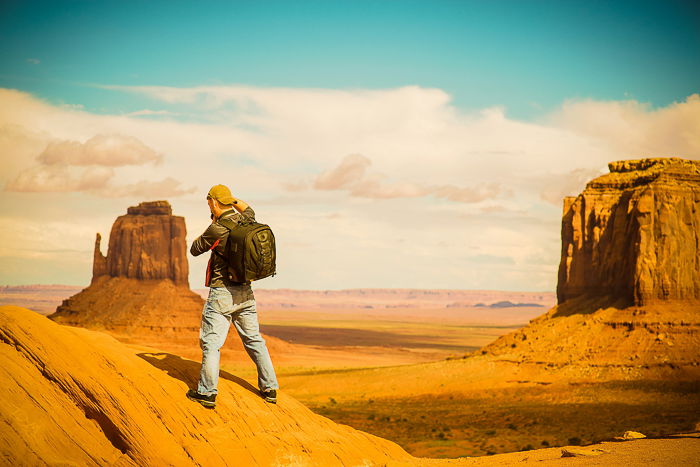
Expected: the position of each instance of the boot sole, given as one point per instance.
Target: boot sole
(207, 404)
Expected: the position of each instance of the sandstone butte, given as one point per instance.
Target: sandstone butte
(629, 278)
(141, 285)
(148, 243)
(633, 234)
(140, 291)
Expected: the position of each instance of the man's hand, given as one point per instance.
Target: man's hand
(240, 205)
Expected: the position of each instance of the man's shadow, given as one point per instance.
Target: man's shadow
(187, 371)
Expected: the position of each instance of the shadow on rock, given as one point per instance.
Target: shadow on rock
(587, 304)
(187, 371)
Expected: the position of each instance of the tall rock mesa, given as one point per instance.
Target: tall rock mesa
(634, 234)
(141, 286)
(629, 280)
(146, 243)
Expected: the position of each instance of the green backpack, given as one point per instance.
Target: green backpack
(249, 251)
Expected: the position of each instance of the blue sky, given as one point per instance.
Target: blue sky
(347, 119)
(525, 55)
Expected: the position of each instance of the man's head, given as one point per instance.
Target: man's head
(221, 193)
(220, 199)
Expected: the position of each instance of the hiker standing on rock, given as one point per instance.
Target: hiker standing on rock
(228, 302)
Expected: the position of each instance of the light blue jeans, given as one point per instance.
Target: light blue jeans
(226, 305)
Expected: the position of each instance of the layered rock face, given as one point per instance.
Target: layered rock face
(634, 234)
(629, 278)
(147, 243)
(141, 286)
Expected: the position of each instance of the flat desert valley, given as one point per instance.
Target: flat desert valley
(390, 362)
(350, 328)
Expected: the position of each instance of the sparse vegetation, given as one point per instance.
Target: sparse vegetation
(496, 417)
(575, 441)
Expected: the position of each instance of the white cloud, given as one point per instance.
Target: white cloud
(19, 145)
(150, 113)
(350, 171)
(148, 189)
(71, 166)
(554, 189)
(633, 129)
(429, 196)
(482, 192)
(47, 237)
(100, 150)
(351, 174)
(60, 179)
(97, 181)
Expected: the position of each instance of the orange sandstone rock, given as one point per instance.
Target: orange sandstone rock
(634, 234)
(77, 397)
(147, 243)
(141, 286)
(629, 278)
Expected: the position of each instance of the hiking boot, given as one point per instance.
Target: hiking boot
(270, 395)
(207, 401)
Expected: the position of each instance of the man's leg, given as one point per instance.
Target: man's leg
(212, 336)
(245, 320)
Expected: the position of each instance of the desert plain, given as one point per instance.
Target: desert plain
(391, 362)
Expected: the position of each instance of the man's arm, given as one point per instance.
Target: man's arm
(208, 240)
(244, 208)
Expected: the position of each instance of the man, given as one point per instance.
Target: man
(228, 302)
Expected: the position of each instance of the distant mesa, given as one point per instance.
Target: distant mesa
(141, 286)
(507, 304)
(146, 243)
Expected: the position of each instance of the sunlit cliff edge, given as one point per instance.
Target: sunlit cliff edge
(77, 396)
(629, 279)
(634, 234)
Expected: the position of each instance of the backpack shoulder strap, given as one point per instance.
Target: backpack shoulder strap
(227, 222)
